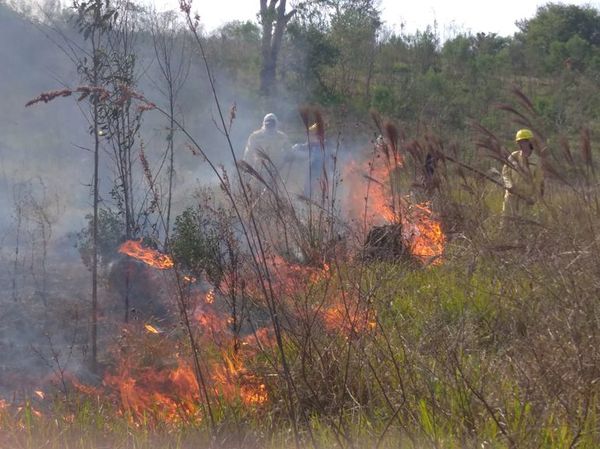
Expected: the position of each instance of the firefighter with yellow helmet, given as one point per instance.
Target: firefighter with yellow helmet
(523, 176)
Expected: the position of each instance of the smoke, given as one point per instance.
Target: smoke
(46, 166)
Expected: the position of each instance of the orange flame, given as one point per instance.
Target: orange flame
(211, 323)
(381, 199)
(31, 409)
(349, 319)
(263, 337)
(151, 329)
(85, 389)
(149, 256)
(422, 234)
(289, 278)
(171, 394)
(167, 394)
(232, 380)
(425, 235)
(210, 297)
(371, 198)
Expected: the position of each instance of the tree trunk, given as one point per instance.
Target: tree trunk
(274, 20)
(94, 317)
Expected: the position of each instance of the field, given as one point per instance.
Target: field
(470, 333)
(382, 297)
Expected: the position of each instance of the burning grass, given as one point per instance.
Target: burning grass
(448, 356)
(377, 199)
(486, 339)
(488, 347)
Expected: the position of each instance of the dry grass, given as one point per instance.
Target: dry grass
(499, 346)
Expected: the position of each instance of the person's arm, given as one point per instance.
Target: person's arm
(540, 182)
(298, 151)
(285, 142)
(542, 170)
(507, 173)
(289, 152)
(250, 151)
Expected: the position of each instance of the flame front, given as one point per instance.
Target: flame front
(425, 235)
(382, 199)
(382, 203)
(232, 379)
(171, 394)
(168, 394)
(134, 248)
(371, 198)
(350, 319)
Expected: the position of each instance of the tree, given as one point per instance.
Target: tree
(560, 32)
(174, 64)
(354, 28)
(335, 43)
(119, 119)
(425, 46)
(235, 49)
(310, 54)
(274, 20)
(94, 20)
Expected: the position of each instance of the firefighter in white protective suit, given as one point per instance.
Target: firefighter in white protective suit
(523, 178)
(270, 141)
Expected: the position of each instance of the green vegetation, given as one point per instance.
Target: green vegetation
(497, 346)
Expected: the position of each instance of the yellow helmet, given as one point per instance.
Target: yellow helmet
(523, 134)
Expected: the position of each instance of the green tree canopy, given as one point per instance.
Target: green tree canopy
(560, 35)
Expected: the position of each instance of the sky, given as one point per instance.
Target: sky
(451, 16)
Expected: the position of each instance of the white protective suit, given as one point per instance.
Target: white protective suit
(269, 140)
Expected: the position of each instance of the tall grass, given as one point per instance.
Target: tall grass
(496, 347)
